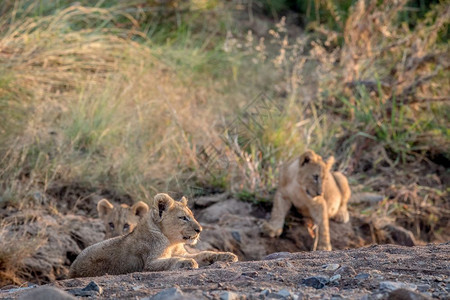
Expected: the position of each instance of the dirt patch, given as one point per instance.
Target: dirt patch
(366, 273)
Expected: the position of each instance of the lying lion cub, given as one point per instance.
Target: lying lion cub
(156, 244)
(309, 185)
(120, 219)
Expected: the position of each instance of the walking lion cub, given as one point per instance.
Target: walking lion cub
(156, 244)
(309, 185)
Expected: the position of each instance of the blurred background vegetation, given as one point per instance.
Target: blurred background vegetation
(202, 96)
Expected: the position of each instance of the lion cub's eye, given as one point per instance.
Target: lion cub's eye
(184, 218)
(126, 226)
(316, 178)
(111, 224)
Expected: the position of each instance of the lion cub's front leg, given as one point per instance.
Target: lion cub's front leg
(281, 206)
(319, 213)
(206, 258)
(173, 263)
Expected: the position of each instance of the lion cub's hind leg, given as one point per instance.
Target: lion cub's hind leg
(342, 215)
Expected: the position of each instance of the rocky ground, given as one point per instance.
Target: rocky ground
(373, 272)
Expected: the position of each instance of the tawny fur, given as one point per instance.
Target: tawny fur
(156, 244)
(120, 219)
(309, 185)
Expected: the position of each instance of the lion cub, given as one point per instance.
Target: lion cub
(120, 219)
(309, 185)
(156, 244)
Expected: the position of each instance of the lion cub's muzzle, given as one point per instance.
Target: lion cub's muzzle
(191, 237)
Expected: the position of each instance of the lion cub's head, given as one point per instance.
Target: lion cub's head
(176, 220)
(313, 172)
(120, 219)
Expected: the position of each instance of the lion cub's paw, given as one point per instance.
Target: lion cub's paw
(268, 230)
(187, 263)
(226, 256)
(342, 216)
(324, 247)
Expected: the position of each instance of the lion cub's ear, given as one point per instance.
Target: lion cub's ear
(104, 207)
(140, 209)
(306, 157)
(184, 200)
(163, 202)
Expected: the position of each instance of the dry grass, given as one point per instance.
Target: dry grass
(14, 248)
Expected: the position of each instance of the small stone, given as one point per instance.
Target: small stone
(171, 293)
(277, 255)
(275, 296)
(336, 297)
(394, 285)
(363, 276)
(92, 289)
(265, 292)
(93, 286)
(336, 278)
(46, 292)
(404, 294)
(137, 288)
(285, 293)
(317, 282)
(236, 235)
(229, 296)
(330, 267)
(423, 287)
(346, 271)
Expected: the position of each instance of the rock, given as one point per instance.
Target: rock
(285, 293)
(346, 271)
(215, 212)
(363, 276)
(335, 278)
(229, 296)
(93, 286)
(277, 255)
(206, 201)
(265, 292)
(316, 282)
(423, 287)
(167, 294)
(405, 294)
(330, 267)
(400, 235)
(92, 289)
(236, 235)
(46, 293)
(394, 285)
